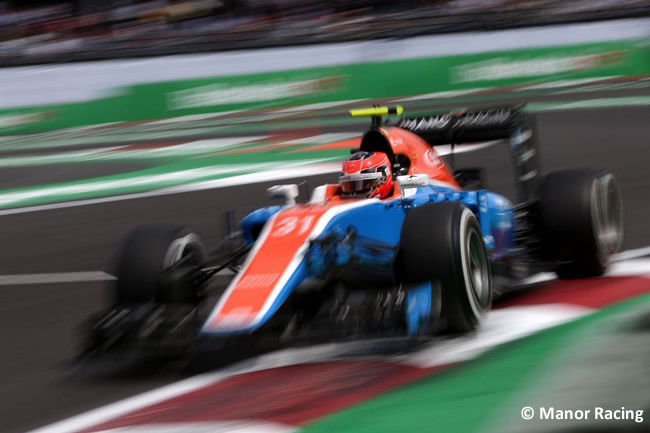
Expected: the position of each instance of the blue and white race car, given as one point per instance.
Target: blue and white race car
(401, 245)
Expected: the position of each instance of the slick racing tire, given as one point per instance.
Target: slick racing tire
(443, 243)
(581, 221)
(146, 252)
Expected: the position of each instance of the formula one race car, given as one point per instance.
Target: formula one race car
(400, 246)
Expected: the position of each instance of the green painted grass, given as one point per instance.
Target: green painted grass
(464, 399)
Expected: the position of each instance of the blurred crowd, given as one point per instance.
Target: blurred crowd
(33, 31)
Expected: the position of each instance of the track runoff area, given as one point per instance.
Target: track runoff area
(558, 355)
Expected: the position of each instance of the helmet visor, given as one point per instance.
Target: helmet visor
(359, 182)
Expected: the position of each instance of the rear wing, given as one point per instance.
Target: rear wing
(508, 123)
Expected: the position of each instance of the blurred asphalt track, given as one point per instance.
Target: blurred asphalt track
(38, 322)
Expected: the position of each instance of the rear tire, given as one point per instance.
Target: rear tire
(442, 242)
(146, 252)
(581, 222)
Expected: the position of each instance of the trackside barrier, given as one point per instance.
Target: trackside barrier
(34, 99)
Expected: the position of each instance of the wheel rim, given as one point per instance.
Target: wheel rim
(478, 270)
(606, 215)
(180, 248)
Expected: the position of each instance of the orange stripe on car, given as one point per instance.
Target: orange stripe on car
(248, 294)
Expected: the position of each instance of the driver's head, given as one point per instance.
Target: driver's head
(367, 174)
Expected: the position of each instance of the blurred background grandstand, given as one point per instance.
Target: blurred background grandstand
(39, 31)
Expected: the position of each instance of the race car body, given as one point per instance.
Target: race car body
(307, 240)
(428, 257)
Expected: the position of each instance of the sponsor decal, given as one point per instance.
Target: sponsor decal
(432, 159)
(520, 137)
(527, 176)
(426, 123)
(483, 118)
(523, 157)
(224, 94)
(505, 67)
(291, 224)
(413, 181)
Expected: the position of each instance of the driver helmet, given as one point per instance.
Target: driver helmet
(367, 174)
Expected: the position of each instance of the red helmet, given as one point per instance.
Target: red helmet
(367, 174)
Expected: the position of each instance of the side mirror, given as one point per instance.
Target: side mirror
(288, 193)
(412, 181)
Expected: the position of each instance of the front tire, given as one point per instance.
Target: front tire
(442, 242)
(146, 252)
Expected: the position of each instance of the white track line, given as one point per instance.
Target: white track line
(52, 278)
(443, 94)
(567, 83)
(632, 254)
(633, 267)
(319, 139)
(263, 176)
(635, 262)
(69, 277)
(104, 186)
(191, 118)
(318, 106)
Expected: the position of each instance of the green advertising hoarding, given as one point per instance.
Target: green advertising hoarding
(368, 80)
